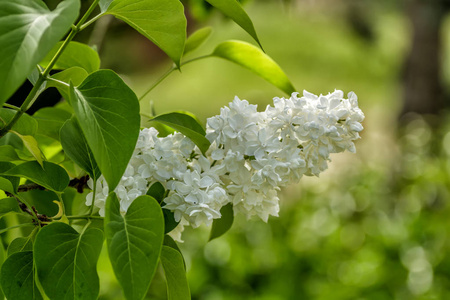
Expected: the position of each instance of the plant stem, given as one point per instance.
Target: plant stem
(91, 210)
(62, 203)
(82, 27)
(84, 217)
(30, 208)
(42, 77)
(11, 106)
(16, 226)
(58, 81)
(173, 68)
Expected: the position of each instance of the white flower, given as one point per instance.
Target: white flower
(252, 155)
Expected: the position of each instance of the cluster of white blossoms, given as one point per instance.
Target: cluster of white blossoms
(252, 155)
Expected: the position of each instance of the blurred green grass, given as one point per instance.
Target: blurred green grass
(374, 226)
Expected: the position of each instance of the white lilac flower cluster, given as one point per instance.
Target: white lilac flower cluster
(252, 155)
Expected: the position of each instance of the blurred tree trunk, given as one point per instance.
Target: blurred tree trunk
(423, 90)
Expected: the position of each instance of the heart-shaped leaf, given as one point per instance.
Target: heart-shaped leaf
(234, 10)
(107, 111)
(18, 277)
(77, 149)
(252, 58)
(52, 176)
(161, 21)
(188, 126)
(75, 55)
(28, 31)
(173, 265)
(66, 261)
(134, 243)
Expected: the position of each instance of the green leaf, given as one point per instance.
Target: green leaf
(75, 55)
(7, 153)
(161, 21)
(134, 242)
(32, 145)
(173, 265)
(224, 223)
(197, 38)
(252, 58)
(52, 176)
(28, 31)
(76, 75)
(18, 277)
(188, 126)
(76, 148)
(104, 4)
(66, 261)
(156, 191)
(26, 125)
(107, 111)
(20, 244)
(42, 200)
(234, 10)
(169, 221)
(50, 121)
(8, 183)
(2, 259)
(8, 205)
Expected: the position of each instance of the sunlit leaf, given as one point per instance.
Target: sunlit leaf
(107, 111)
(28, 31)
(224, 223)
(134, 242)
(18, 277)
(76, 75)
(197, 38)
(188, 126)
(161, 21)
(75, 55)
(52, 176)
(173, 265)
(252, 58)
(66, 261)
(234, 10)
(104, 4)
(32, 145)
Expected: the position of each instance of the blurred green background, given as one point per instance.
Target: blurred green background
(373, 226)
